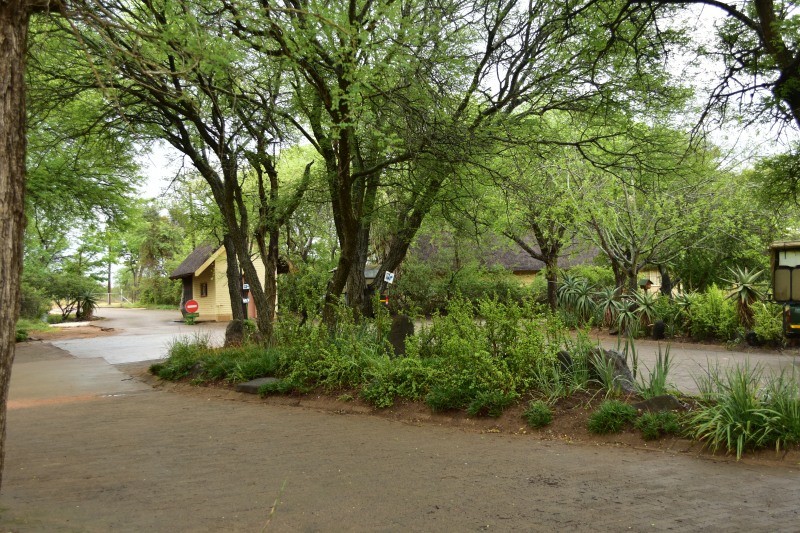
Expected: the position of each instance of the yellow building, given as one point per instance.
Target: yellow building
(205, 280)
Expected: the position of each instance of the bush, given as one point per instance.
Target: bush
(738, 414)
(406, 377)
(182, 356)
(768, 322)
(491, 403)
(472, 360)
(611, 417)
(596, 276)
(713, 315)
(657, 425)
(538, 414)
(424, 289)
(33, 302)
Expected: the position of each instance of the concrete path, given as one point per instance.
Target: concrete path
(143, 335)
(692, 361)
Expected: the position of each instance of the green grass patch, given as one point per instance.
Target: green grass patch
(611, 417)
(538, 414)
(656, 425)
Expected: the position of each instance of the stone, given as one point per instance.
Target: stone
(564, 361)
(665, 402)
(622, 374)
(402, 327)
(251, 387)
(659, 330)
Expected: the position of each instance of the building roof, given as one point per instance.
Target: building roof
(500, 252)
(193, 261)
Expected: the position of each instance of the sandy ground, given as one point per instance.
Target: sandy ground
(95, 447)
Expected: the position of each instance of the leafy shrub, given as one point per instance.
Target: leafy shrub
(301, 290)
(596, 276)
(538, 414)
(425, 289)
(735, 416)
(713, 315)
(406, 377)
(33, 302)
(611, 417)
(656, 425)
(471, 359)
(768, 322)
(182, 356)
(21, 334)
(491, 403)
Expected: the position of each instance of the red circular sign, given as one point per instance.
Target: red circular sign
(192, 306)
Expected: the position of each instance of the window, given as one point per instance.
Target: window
(204, 289)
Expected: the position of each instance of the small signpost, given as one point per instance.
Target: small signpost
(191, 308)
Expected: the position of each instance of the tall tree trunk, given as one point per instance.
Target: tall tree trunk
(232, 273)
(13, 38)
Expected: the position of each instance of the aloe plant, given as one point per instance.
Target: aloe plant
(745, 293)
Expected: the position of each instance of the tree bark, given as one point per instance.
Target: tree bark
(232, 273)
(13, 38)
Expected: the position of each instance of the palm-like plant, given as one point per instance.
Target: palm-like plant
(575, 295)
(746, 292)
(605, 306)
(645, 307)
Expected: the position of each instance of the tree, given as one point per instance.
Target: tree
(410, 90)
(165, 72)
(151, 243)
(14, 18)
(643, 214)
(759, 45)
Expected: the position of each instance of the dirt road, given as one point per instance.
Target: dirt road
(90, 449)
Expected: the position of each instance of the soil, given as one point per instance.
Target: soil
(77, 332)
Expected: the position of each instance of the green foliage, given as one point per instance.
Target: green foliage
(781, 398)
(34, 303)
(606, 306)
(182, 355)
(739, 414)
(538, 414)
(611, 417)
(302, 291)
(25, 326)
(405, 377)
(282, 386)
(656, 383)
(575, 297)
(491, 403)
(72, 293)
(482, 363)
(599, 277)
(86, 306)
(656, 425)
(768, 322)
(426, 289)
(746, 292)
(712, 315)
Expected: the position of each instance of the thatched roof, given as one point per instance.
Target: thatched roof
(193, 261)
(499, 252)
